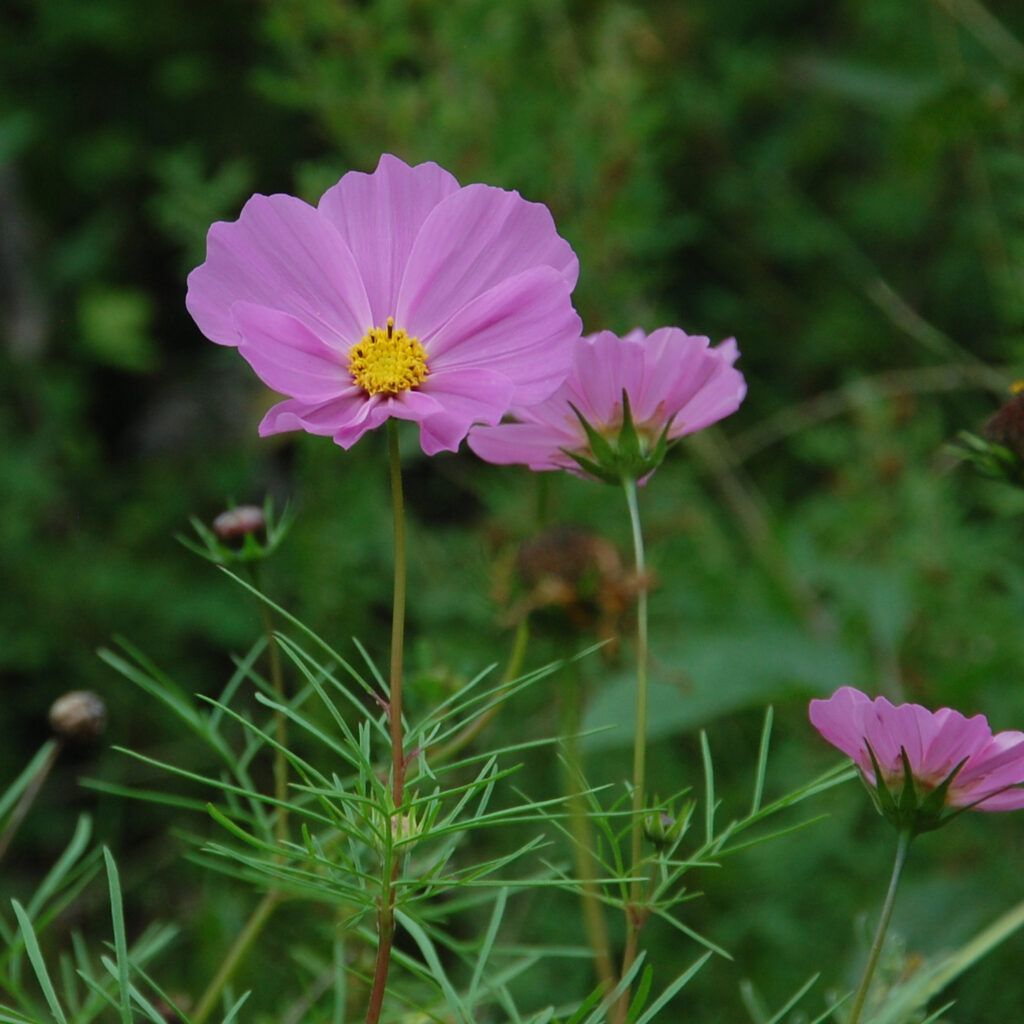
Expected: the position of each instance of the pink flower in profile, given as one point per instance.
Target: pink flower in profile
(400, 294)
(666, 384)
(932, 764)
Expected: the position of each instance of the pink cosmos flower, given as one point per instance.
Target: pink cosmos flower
(675, 384)
(986, 769)
(400, 294)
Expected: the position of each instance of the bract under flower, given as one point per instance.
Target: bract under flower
(400, 294)
(954, 763)
(623, 401)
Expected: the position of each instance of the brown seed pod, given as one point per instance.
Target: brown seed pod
(80, 716)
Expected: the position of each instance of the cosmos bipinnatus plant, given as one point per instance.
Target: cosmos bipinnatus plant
(399, 832)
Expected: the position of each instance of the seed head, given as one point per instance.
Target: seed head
(80, 715)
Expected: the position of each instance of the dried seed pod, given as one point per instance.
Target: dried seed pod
(80, 715)
(580, 573)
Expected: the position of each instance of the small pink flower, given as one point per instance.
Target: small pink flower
(675, 384)
(955, 757)
(400, 294)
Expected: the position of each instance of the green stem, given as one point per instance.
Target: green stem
(634, 915)
(883, 926)
(29, 795)
(246, 937)
(594, 924)
(385, 939)
(389, 870)
(397, 621)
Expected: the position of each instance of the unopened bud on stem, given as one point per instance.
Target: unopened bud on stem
(80, 716)
(237, 523)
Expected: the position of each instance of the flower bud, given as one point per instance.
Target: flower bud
(663, 827)
(405, 830)
(79, 715)
(236, 523)
(243, 534)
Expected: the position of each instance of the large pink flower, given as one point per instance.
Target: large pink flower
(933, 743)
(400, 294)
(675, 384)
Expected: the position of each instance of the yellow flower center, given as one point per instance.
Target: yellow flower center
(387, 361)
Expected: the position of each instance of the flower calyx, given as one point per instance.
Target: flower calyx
(631, 455)
(914, 806)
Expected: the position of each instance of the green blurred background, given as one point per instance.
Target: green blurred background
(839, 186)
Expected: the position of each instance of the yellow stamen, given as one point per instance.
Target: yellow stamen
(1017, 387)
(387, 361)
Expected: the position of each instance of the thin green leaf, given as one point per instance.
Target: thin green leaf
(120, 939)
(24, 780)
(35, 958)
(462, 1012)
(762, 761)
(57, 874)
(709, 788)
(672, 989)
(486, 946)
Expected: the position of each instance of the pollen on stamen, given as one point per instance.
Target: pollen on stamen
(387, 361)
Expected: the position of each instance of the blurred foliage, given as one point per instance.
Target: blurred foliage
(839, 186)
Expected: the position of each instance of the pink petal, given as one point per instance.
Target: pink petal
(883, 736)
(1000, 762)
(472, 241)
(322, 418)
(466, 396)
(409, 405)
(379, 216)
(719, 395)
(530, 444)
(1007, 800)
(524, 329)
(288, 357)
(954, 738)
(604, 367)
(840, 720)
(281, 254)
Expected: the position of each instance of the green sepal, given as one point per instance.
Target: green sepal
(880, 795)
(626, 458)
(908, 807)
(908, 804)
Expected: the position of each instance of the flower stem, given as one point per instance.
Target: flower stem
(594, 924)
(634, 915)
(385, 939)
(246, 937)
(389, 870)
(397, 621)
(859, 999)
